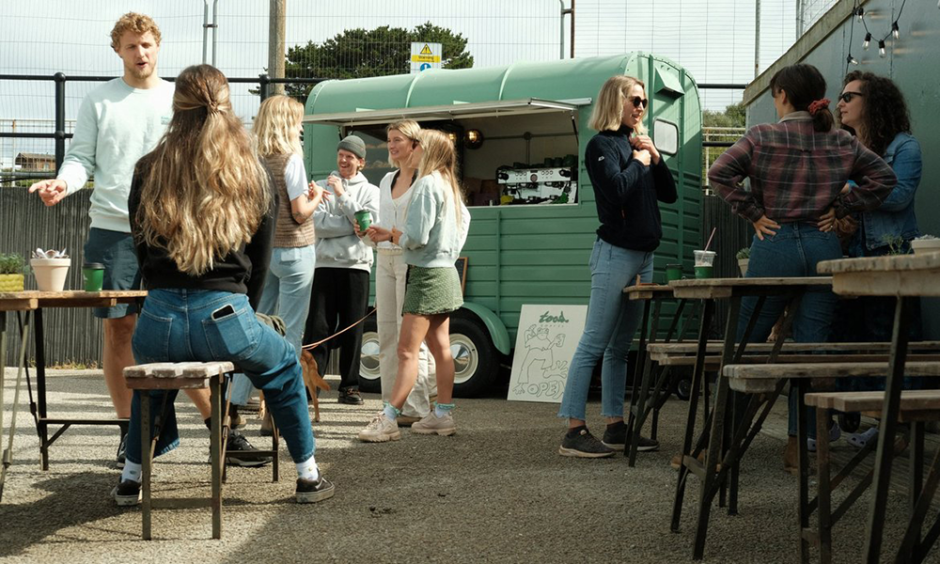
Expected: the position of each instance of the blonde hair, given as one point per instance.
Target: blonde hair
(136, 23)
(204, 191)
(276, 125)
(608, 110)
(407, 127)
(440, 156)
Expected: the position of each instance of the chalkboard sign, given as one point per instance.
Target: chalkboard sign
(461, 266)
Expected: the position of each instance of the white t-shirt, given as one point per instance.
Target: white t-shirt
(392, 211)
(295, 177)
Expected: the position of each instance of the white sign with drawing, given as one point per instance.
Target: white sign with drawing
(547, 338)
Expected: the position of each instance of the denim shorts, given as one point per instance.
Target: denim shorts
(116, 251)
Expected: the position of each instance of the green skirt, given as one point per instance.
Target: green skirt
(430, 291)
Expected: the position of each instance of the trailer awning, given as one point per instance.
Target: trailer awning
(457, 110)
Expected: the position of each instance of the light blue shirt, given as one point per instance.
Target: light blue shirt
(432, 236)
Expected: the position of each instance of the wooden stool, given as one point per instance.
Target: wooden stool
(180, 376)
(917, 407)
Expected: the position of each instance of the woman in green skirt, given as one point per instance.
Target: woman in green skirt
(430, 243)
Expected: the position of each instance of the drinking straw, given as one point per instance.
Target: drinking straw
(710, 237)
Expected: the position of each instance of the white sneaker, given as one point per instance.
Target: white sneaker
(434, 425)
(380, 430)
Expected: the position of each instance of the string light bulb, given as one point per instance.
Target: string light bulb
(860, 12)
(895, 31)
(851, 60)
(867, 42)
(881, 49)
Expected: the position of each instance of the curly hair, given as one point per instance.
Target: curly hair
(135, 23)
(885, 112)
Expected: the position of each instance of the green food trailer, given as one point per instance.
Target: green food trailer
(521, 131)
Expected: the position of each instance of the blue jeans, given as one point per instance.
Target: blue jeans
(793, 252)
(612, 320)
(179, 325)
(286, 295)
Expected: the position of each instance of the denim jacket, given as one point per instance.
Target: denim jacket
(895, 217)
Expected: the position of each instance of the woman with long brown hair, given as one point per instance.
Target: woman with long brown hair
(431, 240)
(202, 215)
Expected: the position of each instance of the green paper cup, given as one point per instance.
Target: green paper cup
(673, 272)
(93, 275)
(703, 271)
(364, 219)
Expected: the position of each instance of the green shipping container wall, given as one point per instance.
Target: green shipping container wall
(524, 254)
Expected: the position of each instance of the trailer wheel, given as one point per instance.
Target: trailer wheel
(476, 361)
(369, 381)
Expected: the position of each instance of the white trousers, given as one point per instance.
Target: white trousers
(390, 274)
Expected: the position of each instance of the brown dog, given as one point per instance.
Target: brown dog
(312, 380)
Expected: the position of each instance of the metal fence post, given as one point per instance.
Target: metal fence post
(59, 119)
(264, 80)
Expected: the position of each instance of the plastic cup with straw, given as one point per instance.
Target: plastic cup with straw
(705, 259)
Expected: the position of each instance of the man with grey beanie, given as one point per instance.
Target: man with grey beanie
(340, 292)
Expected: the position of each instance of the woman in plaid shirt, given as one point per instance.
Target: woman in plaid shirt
(797, 169)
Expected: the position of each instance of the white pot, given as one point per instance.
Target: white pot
(922, 246)
(50, 273)
(742, 266)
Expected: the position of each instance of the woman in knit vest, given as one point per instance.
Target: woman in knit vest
(287, 286)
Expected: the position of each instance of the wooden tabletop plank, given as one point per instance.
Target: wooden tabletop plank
(70, 298)
(648, 291)
(689, 348)
(889, 263)
(911, 400)
(18, 304)
(824, 370)
(719, 288)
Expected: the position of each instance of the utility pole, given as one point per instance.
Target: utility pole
(756, 38)
(277, 18)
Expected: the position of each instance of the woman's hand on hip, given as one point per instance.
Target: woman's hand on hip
(644, 143)
(765, 226)
(827, 221)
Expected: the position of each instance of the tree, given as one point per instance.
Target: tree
(727, 126)
(361, 53)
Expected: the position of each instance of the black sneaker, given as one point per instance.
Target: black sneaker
(584, 445)
(312, 491)
(615, 437)
(126, 493)
(350, 397)
(238, 443)
(121, 452)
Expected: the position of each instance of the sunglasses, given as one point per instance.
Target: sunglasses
(637, 102)
(849, 96)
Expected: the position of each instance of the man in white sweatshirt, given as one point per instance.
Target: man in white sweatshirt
(117, 124)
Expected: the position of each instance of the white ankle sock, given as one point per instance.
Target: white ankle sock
(131, 472)
(308, 469)
(442, 409)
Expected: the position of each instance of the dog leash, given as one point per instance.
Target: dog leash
(337, 334)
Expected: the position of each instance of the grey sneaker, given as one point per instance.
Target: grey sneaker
(584, 445)
(126, 493)
(434, 425)
(312, 491)
(380, 430)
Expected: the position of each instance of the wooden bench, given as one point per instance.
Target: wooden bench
(916, 407)
(180, 376)
(763, 378)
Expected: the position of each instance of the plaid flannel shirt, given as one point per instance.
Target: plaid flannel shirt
(797, 174)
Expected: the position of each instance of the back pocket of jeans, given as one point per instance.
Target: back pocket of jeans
(151, 340)
(231, 336)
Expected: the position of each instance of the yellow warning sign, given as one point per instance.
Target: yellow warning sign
(425, 58)
(426, 50)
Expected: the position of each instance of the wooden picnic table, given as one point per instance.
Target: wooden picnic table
(727, 444)
(906, 277)
(32, 304)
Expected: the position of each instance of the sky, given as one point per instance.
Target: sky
(713, 39)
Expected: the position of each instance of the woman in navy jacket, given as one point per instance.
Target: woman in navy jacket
(629, 179)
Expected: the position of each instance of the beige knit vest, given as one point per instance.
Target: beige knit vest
(287, 232)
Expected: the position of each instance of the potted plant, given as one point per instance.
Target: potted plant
(925, 244)
(50, 269)
(743, 256)
(12, 272)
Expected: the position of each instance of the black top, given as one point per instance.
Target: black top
(626, 191)
(240, 272)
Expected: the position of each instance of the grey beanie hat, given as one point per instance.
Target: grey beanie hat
(354, 145)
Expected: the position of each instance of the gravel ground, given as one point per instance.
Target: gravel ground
(495, 492)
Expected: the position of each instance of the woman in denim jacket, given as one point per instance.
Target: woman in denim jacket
(873, 109)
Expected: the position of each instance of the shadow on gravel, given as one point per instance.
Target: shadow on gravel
(72, 500)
